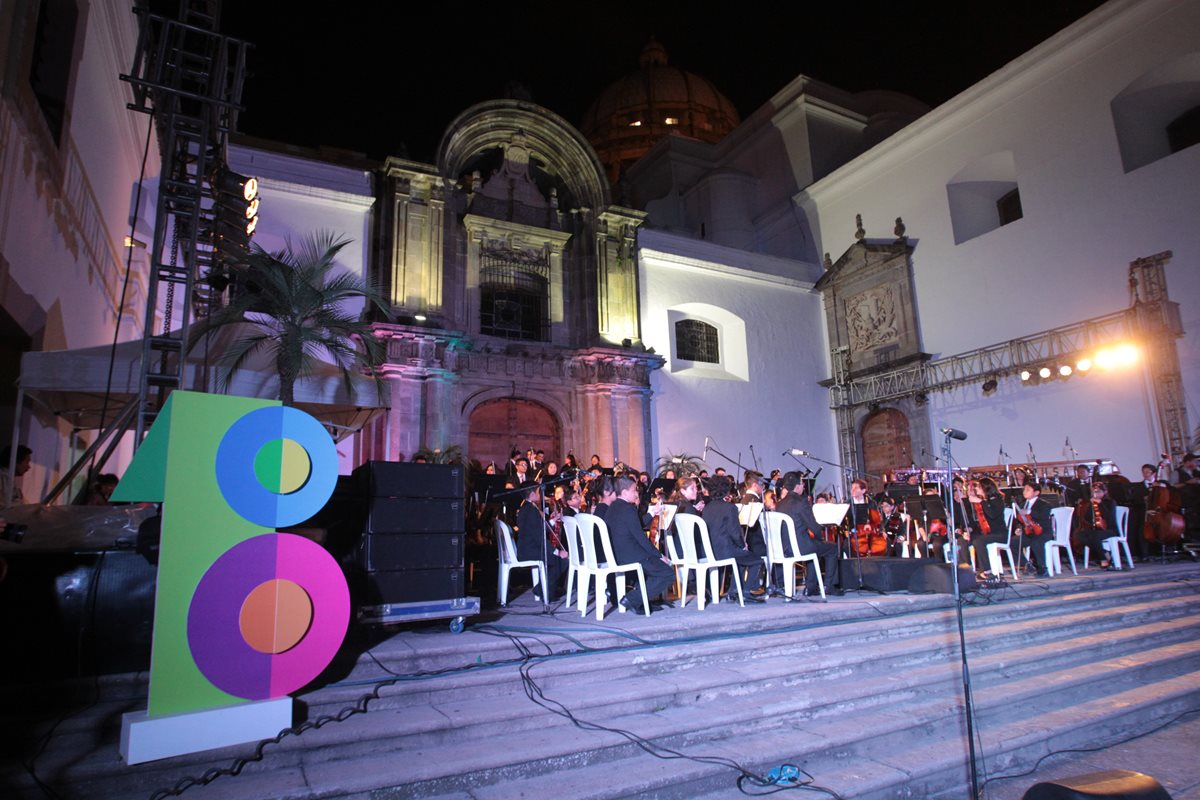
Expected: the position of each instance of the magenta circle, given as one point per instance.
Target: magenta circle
(214, 632)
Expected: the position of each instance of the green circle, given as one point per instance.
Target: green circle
(282, 466)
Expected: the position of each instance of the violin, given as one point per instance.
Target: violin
(1031, 527)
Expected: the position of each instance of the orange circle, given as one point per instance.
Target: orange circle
(275, 616)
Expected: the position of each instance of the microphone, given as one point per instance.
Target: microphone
(705, 456)
(954, 433)
(794, 452)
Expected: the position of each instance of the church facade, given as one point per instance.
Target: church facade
(844, 274)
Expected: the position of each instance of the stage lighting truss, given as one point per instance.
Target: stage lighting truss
(1105, 359)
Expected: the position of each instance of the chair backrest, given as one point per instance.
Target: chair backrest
(687, 525)
(672, 550)
(1123, 521)
(585, 527)
(705, 542)
(571, 529)
(1062, 523)
(504, 543)
(774, 526)
(1009, 515)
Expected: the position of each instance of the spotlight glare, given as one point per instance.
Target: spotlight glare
(1106, 359)
(1065, 370)
(1126, 354)
(1084, 364)
(1044, 372)
(1026, 374)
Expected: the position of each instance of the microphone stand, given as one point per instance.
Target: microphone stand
(962, 636)
(727, 458)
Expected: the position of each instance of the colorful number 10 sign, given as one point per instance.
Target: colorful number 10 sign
(242, 612)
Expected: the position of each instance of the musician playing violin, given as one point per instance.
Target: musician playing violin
(1096, 520)
(531, 527)
(1036, 525)
(895, 525)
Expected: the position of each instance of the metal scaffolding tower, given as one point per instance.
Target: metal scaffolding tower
(189, 77)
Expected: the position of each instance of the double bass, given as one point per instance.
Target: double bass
(1164, 521)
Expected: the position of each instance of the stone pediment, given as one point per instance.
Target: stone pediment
(513, 181)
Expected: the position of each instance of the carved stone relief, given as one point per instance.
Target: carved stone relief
(872, 318)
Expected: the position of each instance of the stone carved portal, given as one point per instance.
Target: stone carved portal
(497, 426)
(886, 444)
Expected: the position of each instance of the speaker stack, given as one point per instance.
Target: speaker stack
(409, 551)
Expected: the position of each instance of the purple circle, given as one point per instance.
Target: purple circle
(214, 630)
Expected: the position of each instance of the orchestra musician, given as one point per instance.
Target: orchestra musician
(630, 545)
(1139, 494)
(861, 507)
(1037, 511)
(808, 535)
(531, 528)
(752, 493)
(725, 536)
(985, 506)
(1188, 469)
(1078, 488)
(895, 525)
(1095, 521)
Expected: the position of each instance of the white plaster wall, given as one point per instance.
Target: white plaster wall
(1067, 259)
(781, 405)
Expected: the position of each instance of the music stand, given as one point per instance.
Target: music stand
(926, 507)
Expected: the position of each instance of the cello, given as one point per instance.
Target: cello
(1164, 521)
(872, 540)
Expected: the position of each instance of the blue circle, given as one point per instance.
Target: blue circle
(235, 466)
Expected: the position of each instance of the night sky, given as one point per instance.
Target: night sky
(374, 78)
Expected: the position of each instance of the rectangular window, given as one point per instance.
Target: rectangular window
(697, 341)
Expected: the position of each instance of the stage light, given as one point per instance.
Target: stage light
(419, 317)
(989, 385)
(1065, 370)
(1026, 375)
(1083, 364)
(1126, 354)
(1044, 372)
(1106, 359)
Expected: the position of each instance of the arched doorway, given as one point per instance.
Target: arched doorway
(497, 426)
(886, 444)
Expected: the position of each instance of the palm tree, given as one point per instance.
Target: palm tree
(291, 301)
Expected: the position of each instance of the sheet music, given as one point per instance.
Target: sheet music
(667, 513)
(830, 513)
(748, 514)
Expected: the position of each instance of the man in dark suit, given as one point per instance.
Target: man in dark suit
(531, 533)
(808, 533)
(725, 536)
(631, 545)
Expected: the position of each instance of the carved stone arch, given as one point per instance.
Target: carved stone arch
(550, 138)
(552, 402)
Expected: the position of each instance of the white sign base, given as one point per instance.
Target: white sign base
(146, 738)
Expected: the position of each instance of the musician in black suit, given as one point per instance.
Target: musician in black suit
(1078, 488)
(631, 545)
(1038, 510)
(1096, 521)
(808, 533)
(725, 535)
(1139, 495)
(531, 532)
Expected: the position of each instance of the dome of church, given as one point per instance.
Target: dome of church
(658, 100)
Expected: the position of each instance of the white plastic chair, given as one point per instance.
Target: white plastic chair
(775, 525)
(682, 569)
(706, 566)
(1061, 541)
(946, 553)
(1113, 544)
(995, 548)
(575, 553)
(587, 527)
(508, 562)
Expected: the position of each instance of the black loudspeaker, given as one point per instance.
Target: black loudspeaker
(396, 479)
(396, 551)
(1116, 784)
(938, 579)
(879, 573)
(411, 586)
(409, 515)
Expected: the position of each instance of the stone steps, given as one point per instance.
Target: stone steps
(872, 674)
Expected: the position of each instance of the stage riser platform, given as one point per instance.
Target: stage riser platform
(864, 693)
